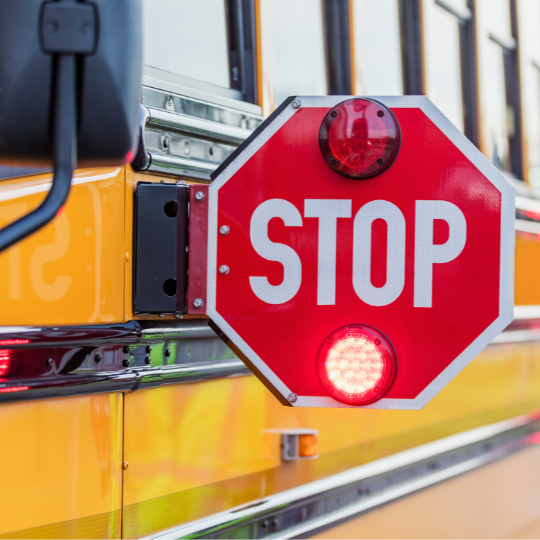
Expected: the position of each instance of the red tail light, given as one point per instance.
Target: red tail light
(359, 138)
(6, 354)
(356, 365)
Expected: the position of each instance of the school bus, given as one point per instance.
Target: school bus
(117, 423)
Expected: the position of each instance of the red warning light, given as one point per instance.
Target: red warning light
(359, 138)
(356, 365)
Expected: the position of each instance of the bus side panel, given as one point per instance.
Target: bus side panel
(72, 271)
(201, 448)
(61, 468)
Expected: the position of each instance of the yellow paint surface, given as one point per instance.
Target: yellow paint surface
(501, 500)
(527, 270)
(71, 271)
(188, 437)
(61, 460)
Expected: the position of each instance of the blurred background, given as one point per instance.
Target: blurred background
(477, 60)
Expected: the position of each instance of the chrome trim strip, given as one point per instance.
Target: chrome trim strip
(214, 130)
(532, 227)
(526, 312)
(368, 486)
(181, 167)
(524, 203)
(129, 380)
(517, 336)
(194, 89)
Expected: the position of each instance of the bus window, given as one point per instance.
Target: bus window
(443, 56)
(529, 43)
(498, 116)
(300, 66)
(377, 55)
(188, 38)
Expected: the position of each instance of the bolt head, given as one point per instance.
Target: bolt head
(125, 362)
(147, 360)
(125, 465)
(224, 269)
(199, 195)
(198, 303)
(224, 230)
(49, 362)
(296, 104)
(167, 352)
(97, 358)
(126, 349)
(292, 398)
(148, 349)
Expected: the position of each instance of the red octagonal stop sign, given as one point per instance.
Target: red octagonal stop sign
(420, 255)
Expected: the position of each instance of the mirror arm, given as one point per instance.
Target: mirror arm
(64, 152)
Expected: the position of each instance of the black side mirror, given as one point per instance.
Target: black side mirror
(70, 84)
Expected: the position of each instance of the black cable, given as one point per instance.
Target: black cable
(64, 156)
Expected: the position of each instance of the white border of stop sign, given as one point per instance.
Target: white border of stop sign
(422, 295)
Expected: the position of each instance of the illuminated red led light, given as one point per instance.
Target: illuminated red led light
(356, 365)
(359, 138)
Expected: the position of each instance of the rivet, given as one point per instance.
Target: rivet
(380, 114)
(380, 161)
(167, 352)
(165, 143)
(125, 465)
(146, 359)
(127, 256)
(224, 269)
(333, 161)
(97, 358)
(125, 362)
(292, 398)
(296, 104)
(126, 349)
(333, 114)
(198, 303)
(199, 196)
(49, 362)
(148, 349)
(224, 229)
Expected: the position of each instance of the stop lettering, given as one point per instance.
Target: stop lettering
(360, 252)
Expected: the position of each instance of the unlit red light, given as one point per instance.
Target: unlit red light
(356, 365)
(359, 138)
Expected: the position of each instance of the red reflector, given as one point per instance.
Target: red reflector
(14, 389)
(356, 365)
(359, 138)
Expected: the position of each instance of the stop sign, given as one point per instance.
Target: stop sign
(368, 289)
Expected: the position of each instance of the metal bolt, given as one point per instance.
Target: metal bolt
(380, 161)
(97, 358)
(165, 143)
(292, 398)
(49, 362)
(224, 229)
(333, 161)
(333, 114)
(148, 349)
(380, 114)
(296, 104)
(198, 303)
(125, 362)
(147, 360)
(126, 349)
(125, 465)
(167, 352)
(199, 196)
(224, 269)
